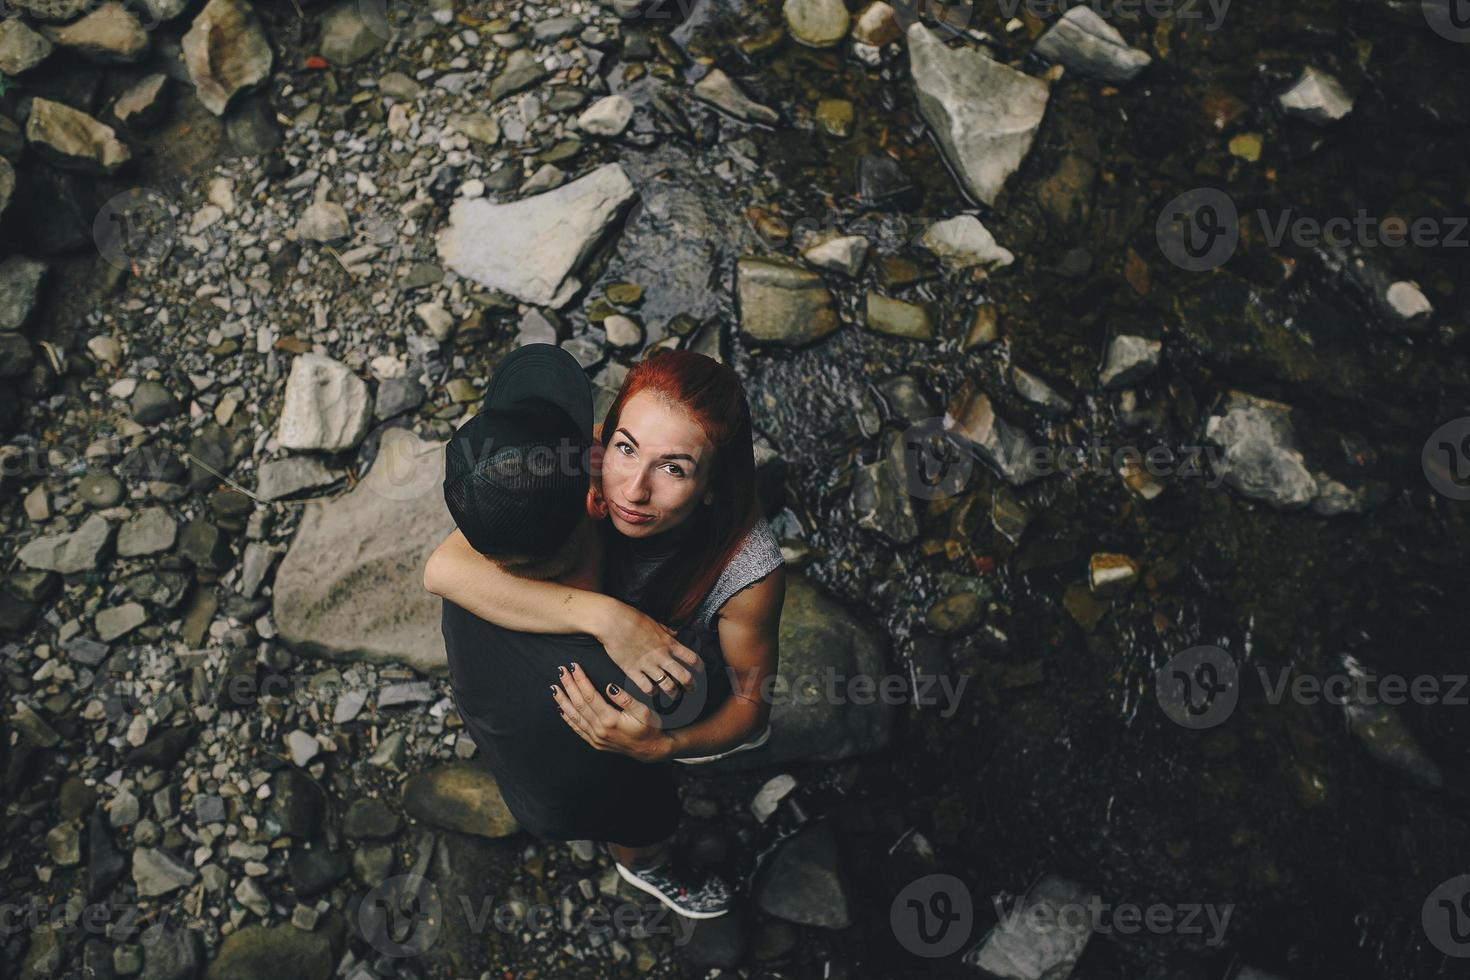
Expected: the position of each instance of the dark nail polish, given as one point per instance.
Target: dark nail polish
(560, 671)
(553, 690)
(613, 689)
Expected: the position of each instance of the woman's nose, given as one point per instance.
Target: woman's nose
(637, 487)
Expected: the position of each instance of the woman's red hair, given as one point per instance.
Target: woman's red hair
(712, 395)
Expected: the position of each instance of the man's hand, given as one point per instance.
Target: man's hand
(648, 653)
(618, 723)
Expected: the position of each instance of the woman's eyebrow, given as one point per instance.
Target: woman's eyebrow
(665, 455)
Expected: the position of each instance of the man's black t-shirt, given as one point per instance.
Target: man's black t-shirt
(557, 786)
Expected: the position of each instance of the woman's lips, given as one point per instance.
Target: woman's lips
(631, 516)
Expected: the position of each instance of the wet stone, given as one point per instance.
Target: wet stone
(297, 803)
(153, 403)
(1087, 44)
(371, 819)
(782, 303)
(20, 286)
(100, 490)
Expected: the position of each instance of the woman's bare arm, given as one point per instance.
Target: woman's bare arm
(749, 628)
(639, 645)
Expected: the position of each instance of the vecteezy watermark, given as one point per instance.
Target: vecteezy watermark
(1446, 917)
(135, 230)
(1450, 19)
(933, 916)
(1446, 459)
(1200, 230)
(1200, 688)
(405, 915)
(119, 921)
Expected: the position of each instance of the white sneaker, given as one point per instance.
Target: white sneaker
(754, 743)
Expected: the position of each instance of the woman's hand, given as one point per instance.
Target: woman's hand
(632, 731)
(648, 653)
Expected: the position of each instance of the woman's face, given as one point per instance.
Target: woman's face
(656, 470)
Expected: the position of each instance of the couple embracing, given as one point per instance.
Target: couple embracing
(612, 597)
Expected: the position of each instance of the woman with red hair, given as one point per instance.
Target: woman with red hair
(687, 547)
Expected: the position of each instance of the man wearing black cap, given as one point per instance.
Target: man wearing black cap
(516, 481)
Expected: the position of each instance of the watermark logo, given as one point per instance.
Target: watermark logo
(933, 463)
(933, 916)
(1199, 688)
(1450, 19)
(402, 916)
(135, 230)
(1446, 459)
(1199, 230)
(1446, 917)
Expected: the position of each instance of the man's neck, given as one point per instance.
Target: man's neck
(587, 572)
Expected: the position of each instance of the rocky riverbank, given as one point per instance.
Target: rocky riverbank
(259, 258)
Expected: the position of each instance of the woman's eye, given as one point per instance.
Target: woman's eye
(624, 446)
(675, 469)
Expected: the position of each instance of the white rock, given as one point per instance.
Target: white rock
(324, 221)
(119, 620)
(157, 872)
(1087, 44)
(439, 320)
(606, 117)
(622, 331)
(1129, 359)
(816, 23)
(1407, 301)
(532, 248)
(386, 367)
(984, 114)
(303, 747)
(65, 554)
(1317, 97)
(769, 797)
(845, 254)
(720, 91)
(962, 241)
(327, 406)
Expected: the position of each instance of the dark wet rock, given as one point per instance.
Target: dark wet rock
(254, 130)
(1017, 950)
(1129, 359)
(153, 403)
(73, 140)
(297, 804)
(110, 34)
(226, 52)
(144, 103)
(782, 303)
(489, 242)
(371, 819)
(459, 796)
(984, 114)
(820, 638)
(1316, 97)
(1006, 447)
(20, 288)
(881, 500)
(373, 863)
(16, 356)
(1040, 394)
(171, 953)
(106, 864)
(16, 614)
(100, 490)
(204, 544)
(802, 883)
(76, 551)
(883, 184)
(259, 952)
(1261, 458)
(157, 872)
(520, 74)
(313, 870)
(21, 48)
(46, 955)
(340, 592)
(164, 589)
(348, 34)
(720, 91)
(719, 942)
(165, 749)
(1087, 44)
(1383, 732)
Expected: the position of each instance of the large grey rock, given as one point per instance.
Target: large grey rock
(119, 620)
(54, 10)
(21, 48)
(226, 52)
(802, 885)
(1317, 97)
(823, 648)
(67, 554)
(533, 248)
(1087, 44)
(1042, 938)
(324, 221)
(111, 34)
(147, 533)
(171, 953)
(1004, 446)
(351, 585)
(349, 34)
(720, 91)
(984, 114)
(460, 796)
(327, 406)
(782, 303)
(1260, 456)
(275, 952)
(963, 241)
(73, 140)
(20, 286)
(157, 872)
(282, 478)
(606, 117)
